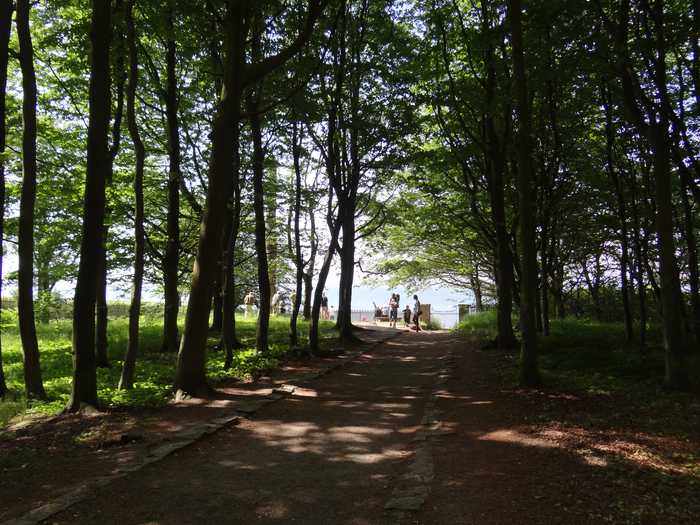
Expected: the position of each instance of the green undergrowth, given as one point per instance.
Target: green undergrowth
(154, 369)
(581, 354)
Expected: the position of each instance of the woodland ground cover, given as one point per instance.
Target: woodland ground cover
(604, 400)
(154, 372)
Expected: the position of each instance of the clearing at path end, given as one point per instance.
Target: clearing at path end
(416, 431)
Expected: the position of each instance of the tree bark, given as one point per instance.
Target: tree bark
(529, 373)
(84, 389)
(320, 285)
(6, 8)
(264, 288)
(172, 252)
(33, 384)
(127, 377)
(298, 263)
(691, 242)
(102, 308)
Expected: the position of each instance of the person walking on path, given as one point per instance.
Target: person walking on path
(393, 310)
(416, 314)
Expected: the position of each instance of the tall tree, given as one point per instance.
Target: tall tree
(25, 275)
(127, 376)
(190, 374)
(172, 252)
(6, 8)
(84, 389)
(529, 373)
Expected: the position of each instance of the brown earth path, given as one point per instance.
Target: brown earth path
(418, 430)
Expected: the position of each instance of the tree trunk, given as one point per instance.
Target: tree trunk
(101, 308)
(260, 236)
(172, 252)
(84, 388)
(320, 285)
(505, 338)
(229, 342)
(6, 8)
(309, 274)
(25, 276)
(347, 270)
(127, 377)
(217, 303)
(190, 376)
(298, 263)
(529, 373)
(639, 269)
(691, 242)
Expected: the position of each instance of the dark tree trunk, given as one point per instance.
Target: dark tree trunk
(505, 338)
(84, 372)
(172, 252)
(691, 242)
(529, 373)
(127, 377)
(675, 340)
(190, 375)
(298, 263)
(229, 342)
(25, 275)
(639, 254)
(309, 274)
(6, 8)
(347, 270)
(260, 234)
(475, 283)
(320, 285)
(101, 308)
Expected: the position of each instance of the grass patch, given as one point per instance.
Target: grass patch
(155, 370)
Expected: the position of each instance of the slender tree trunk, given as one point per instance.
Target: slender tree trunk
(475, 283)
(320, 285)
(691, 242)
(298, 263)
(84, 388)
(639, 266)
(309, 274)
(172, 252)
(6, 8)
(229, 342)
(101, 307)
(25, 276)
(260, 234)
(529, 373)
(127, 377)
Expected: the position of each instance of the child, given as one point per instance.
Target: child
(407, 316)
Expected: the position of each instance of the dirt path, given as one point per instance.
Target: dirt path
(419, 430)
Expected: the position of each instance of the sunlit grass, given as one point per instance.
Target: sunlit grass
(154, 369)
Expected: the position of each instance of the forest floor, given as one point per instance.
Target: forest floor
(423, 428)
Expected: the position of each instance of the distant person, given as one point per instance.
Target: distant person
(249, 301)
(276, 303)
(407, 316)
(325, 314)
(393, 310)
(416, 314)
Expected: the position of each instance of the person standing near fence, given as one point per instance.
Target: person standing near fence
(416, 314)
